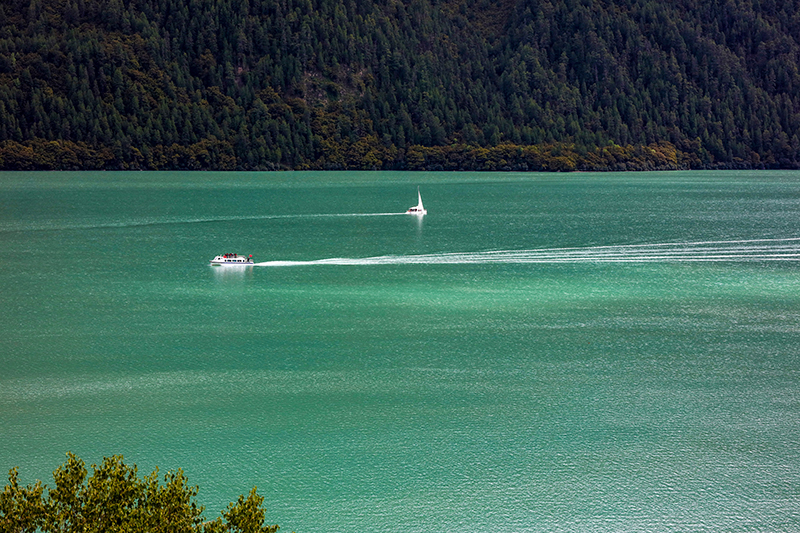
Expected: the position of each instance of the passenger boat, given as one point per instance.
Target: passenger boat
(417, 209)
(232, 260)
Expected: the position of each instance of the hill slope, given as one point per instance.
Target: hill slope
(399, 84)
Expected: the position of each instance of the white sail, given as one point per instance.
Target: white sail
(418, 209)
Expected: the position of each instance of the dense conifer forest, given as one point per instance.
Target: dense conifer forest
(399, 84)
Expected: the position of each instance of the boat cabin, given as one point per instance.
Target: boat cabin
(232, 259)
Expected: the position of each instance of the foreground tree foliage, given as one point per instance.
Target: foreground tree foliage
(114, 499)
(399, 84)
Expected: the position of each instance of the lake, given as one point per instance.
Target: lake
(541, 352)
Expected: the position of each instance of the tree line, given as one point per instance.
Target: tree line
(399, 84)
(114, 499)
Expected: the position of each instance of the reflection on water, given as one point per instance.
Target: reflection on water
(232, 272)
(419, 223)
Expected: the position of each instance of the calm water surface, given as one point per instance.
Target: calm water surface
(626, 359)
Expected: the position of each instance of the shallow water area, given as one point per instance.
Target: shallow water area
(581, 352)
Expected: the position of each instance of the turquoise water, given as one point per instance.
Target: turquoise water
(626, 358)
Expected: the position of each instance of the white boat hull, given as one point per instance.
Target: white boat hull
(232, 260)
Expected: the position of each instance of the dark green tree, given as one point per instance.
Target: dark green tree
(114, 499)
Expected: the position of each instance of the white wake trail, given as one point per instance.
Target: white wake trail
(787, 249)
(15, 227)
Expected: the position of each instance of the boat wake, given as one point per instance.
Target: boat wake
(753, 250)
(55, 226)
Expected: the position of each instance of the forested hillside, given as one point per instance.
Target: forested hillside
(438, 84)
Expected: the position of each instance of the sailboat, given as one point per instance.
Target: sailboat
(417, 209)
